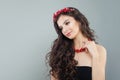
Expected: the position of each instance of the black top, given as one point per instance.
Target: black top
(83, 73)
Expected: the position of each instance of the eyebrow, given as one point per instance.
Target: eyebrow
(64, 22)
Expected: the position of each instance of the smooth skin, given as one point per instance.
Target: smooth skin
(95, 54)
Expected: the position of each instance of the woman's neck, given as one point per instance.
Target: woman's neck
(79, 41)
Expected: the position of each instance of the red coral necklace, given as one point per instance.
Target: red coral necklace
(79, 50)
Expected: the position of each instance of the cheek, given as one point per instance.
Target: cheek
(62, 32)
(76, 28)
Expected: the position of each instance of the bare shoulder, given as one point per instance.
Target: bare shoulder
(102, 54)
(101, 49)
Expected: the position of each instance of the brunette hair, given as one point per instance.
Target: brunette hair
(61, 56)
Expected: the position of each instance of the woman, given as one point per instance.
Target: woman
(75, 55)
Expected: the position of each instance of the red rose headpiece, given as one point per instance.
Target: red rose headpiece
(64, 10)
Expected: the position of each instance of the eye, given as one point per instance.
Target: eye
(67, 23)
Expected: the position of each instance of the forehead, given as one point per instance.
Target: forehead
(63, 18)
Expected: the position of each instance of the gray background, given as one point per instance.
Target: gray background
(26, 35)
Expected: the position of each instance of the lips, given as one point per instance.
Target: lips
(68, 34)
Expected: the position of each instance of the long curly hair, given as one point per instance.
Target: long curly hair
(61, 57)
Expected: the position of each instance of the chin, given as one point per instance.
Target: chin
(70, 37)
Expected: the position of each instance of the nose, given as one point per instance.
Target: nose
(65, 30)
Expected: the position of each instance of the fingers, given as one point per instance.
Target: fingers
(85, 46)
(88, 45)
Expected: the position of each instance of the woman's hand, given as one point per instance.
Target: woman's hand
(91, 48)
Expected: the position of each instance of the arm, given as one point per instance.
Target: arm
(98, 54)
(98, 64)
(52, 77)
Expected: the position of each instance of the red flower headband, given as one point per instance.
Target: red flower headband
(60, 11)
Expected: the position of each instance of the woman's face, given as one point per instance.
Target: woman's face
(69, 26)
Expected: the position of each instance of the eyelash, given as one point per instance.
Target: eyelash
(67, 23)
